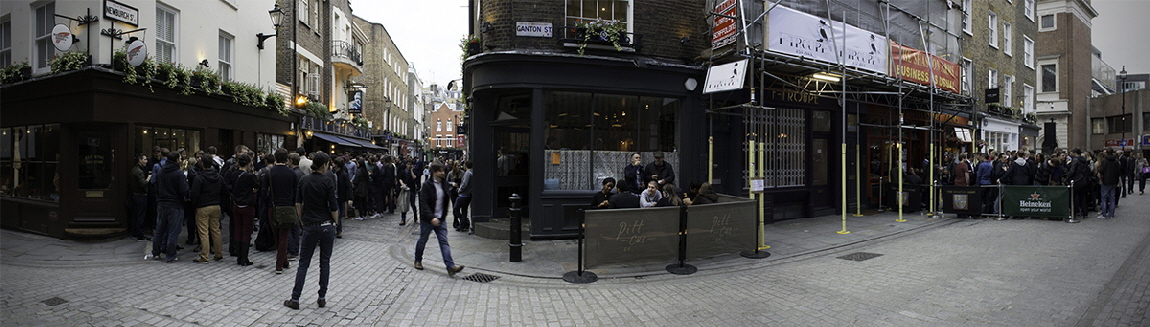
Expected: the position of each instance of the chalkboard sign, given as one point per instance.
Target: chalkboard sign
(721, 228)
(632, 236)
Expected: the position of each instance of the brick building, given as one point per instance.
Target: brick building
(998, 56)
(1064, 68)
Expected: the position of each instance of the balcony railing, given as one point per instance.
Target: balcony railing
(573, 36)
(346, 50)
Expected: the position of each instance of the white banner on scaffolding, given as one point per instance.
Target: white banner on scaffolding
(797, 33)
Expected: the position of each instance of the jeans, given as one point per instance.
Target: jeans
(293, 241)
(281, 247)
(1081, 199)
(342, 214)
(208, 226)
(461, 205)
(313, 235)
(1108, 203)
(425, 229)
(139, 209)
(168, 223)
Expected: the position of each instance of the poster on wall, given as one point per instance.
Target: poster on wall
(797, 33)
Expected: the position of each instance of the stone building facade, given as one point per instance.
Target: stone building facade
(999, 53)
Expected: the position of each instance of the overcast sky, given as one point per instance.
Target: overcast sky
(427, 32)
(1122, 32)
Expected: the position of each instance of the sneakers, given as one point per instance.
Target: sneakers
(279, 271)
(202, 260)
(358, 218)
(457, 268)
(418, 265)
(151, 257)
(338, 235)
(293, 257)
(1100, 217)
(321, 303)
(173, 260)
(291, 304)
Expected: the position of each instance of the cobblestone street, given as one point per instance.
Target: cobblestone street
(983, 272)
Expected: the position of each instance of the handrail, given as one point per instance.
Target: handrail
(344, 49)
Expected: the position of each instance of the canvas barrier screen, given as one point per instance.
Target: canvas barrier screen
(963, 200)
(1036, 201)
(721, 228)
(632, 236)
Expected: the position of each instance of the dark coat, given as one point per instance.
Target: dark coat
(665, 172)
(705, 198)
(171, 186)
(623, 200)
(427, 200)
(1110, 170)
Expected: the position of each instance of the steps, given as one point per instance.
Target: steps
(499, 229)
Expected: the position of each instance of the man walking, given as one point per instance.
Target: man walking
(171, 190)
(317, 207)
(433, 208)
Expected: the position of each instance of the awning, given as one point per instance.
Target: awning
(334, 139)
(963, 134)
(362, 143)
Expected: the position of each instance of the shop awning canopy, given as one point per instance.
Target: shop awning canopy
(363, 143)
(335, 139)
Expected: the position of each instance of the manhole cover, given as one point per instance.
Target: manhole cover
(481, 278)
(54, 301)
(860, 256)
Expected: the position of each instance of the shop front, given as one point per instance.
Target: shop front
(67, 144)
(551, 128)
(999, 134)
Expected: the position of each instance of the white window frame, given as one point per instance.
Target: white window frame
(1057, 80)
(992, 78)
(966, 23)
(1028, 9)
(315, 18)
(449, 125)
(1028, 98)
(967, 76)
(630, 14)
(173, 44)
(1007, 29)
(993, 18)
(6, 43)
(1053, 23)
(1007, 91)
(43, 49)
(302, 13)
(438, 126)
(1028, 51)
(226, 54)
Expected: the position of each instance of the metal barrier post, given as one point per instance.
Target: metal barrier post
(580, 276)
(515, 241)
(682, 268)
(1072, 209)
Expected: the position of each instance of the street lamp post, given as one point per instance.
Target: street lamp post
(1122, 75)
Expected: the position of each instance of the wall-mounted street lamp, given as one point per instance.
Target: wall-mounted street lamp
(277, 16)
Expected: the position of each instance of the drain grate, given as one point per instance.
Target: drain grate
(860, 256)
(54, 301)
(481, 278)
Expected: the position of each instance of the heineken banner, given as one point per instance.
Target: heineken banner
(1036, 201)
(963, 200)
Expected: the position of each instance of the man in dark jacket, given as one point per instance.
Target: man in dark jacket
(139, 187)
(1109, 172)
(243, 194)
(281, 183)
(206, 192)
(623, 200)
(342, 193)
(1020, 172)
(317, 208)
(659, 171)
(1076, 174)
(171, 190)
(433, 209)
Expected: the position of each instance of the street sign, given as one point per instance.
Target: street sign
(1146, 140)
(726, 77)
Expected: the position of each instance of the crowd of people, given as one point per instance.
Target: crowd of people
(293, 202)
(1099, 178)
(648, 186)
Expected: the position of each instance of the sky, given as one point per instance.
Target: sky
(427, 32)
(1121, 32)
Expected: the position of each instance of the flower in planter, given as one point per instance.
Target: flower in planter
(15, 73)
(600, 31)
(69, 61)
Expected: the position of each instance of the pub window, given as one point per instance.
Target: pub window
(29, 158)
(606, 10)
(268, 143)
(585, 146)
(171, 138)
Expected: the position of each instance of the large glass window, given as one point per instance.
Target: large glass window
(1120, 124)
(165, 34)
(171, 138)
(45, 20)
(590, 136)
(268, 143)
(1097, 126)
(29, 156)
(607, 10)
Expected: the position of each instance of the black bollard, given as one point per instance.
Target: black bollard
(516, 240)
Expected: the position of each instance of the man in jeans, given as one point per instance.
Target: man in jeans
(433, 208)
(464, 200)
(1108, 172)
(171, 190)
(318, 209)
